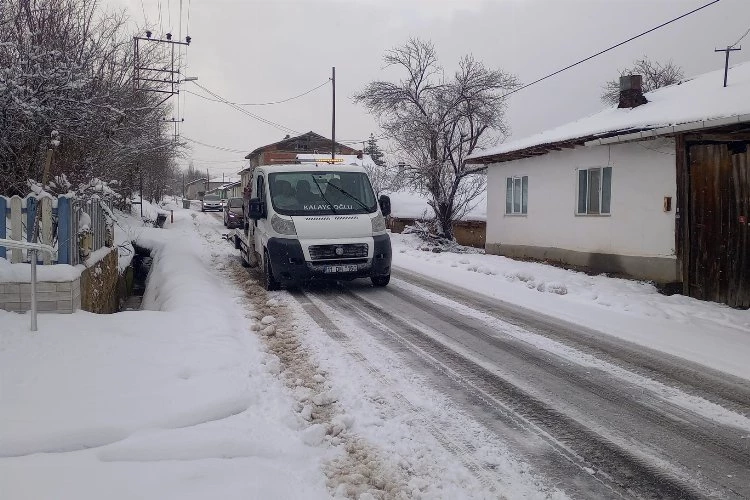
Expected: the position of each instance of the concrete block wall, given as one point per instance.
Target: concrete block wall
(60, 297)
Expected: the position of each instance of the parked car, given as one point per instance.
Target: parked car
(211, 202)
(233, 213)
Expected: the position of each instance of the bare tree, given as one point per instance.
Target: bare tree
(655, 75)
(436, 123)
(66, 65)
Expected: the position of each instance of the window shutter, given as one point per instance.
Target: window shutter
(509, 195)
(582, 190)
(606, 189)
(524, 194)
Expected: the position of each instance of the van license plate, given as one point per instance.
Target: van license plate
(340, 269)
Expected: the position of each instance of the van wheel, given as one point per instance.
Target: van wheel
(270, 282)
(380, 280)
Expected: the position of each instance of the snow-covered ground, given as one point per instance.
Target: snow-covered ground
(218, 389)
(175, 401)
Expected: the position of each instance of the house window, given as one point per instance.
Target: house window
(516, 195)
(594, 191)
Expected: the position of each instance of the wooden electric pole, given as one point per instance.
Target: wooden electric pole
(726, 61)
(333, 115)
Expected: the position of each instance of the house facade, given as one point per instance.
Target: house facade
(657, 189)
(554, 215)
(195, 190)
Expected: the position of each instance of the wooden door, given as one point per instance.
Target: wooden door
(718, 216)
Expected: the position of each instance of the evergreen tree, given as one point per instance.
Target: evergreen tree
(374, 151)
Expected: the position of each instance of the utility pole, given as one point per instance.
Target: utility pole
(333, 115)
(726, 61)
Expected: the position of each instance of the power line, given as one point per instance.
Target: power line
(246, 112)
(161, 26)
(145, 20)
(740, 39)
(352, 141)
(200, 160)
(263, 103)
(610, 48)
(220, 148)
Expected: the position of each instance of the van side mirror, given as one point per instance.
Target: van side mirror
(256, 209)
(385, 205)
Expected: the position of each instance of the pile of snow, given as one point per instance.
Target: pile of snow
(150, 210)
(21, 273)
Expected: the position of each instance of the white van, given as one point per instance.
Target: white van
(315, 221)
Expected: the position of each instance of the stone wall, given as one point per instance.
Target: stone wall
(99, 285)
(63, 297)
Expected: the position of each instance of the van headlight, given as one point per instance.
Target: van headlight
(378, 224)
(282, 226)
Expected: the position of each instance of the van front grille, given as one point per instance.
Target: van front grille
(345, 251)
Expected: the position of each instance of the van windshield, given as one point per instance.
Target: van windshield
(321, 193)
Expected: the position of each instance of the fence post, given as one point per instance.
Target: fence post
(64, 230)
(31, 203)
(3, 215)
(16, 228)
(96, 216)
(45, 228)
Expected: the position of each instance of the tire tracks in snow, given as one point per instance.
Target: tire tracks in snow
(626, 468)
(361, 470)
(485, 475)
(720, 388)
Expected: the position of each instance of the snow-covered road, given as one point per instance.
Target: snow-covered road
(591, 414)
(423, 389)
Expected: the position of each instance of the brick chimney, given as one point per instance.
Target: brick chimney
(631, 91)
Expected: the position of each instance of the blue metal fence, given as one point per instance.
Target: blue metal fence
(65, 214)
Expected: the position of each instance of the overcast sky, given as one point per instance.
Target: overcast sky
(260, 51)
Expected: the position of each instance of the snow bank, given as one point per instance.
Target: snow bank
(169, 402)
(21, 273)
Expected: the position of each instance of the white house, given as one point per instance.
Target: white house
(657, 188)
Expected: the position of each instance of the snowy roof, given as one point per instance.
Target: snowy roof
(699, 99)
(412, 205)
(227, 179)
